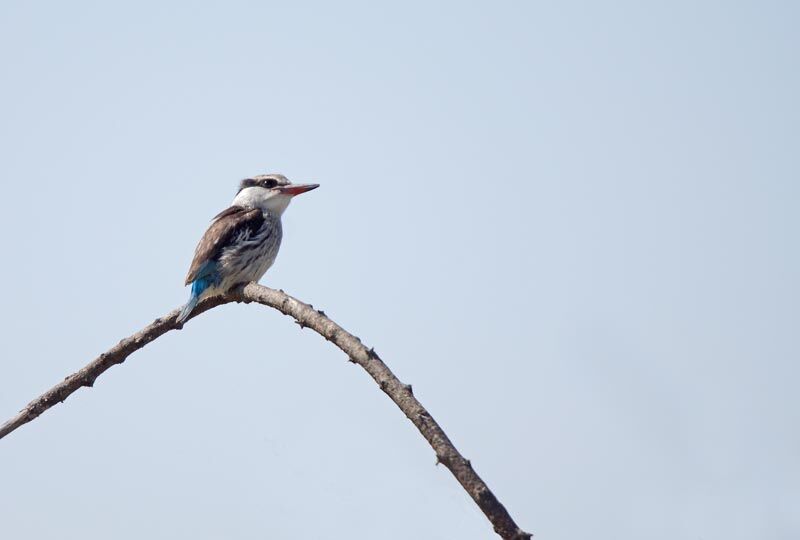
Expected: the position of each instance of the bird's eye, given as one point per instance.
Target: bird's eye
(271, 183)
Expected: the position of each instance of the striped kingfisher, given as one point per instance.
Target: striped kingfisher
(243, 240)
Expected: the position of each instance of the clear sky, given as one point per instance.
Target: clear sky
(573, 227)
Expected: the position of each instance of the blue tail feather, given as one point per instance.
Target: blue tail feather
(198, 288)
(187, 309)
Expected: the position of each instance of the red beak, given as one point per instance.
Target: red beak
(297, 189)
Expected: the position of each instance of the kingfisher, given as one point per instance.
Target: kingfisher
(243, 240)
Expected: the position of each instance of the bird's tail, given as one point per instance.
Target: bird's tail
(198, 287)
(187, 309)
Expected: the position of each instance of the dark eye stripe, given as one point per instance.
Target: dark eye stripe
(246, 183)
(267, 183)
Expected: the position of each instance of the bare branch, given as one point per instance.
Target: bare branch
(306, 316)
(89, 373)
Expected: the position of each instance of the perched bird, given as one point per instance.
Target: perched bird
(242, 241)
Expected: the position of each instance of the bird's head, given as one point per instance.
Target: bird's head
(269, 192)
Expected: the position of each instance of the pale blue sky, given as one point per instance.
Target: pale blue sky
(571, 226)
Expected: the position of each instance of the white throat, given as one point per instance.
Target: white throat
(266, 200)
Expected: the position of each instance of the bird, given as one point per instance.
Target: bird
(242, 242)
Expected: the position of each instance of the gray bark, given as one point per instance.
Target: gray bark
(306, 316)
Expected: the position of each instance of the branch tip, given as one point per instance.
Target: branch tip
(306, 317)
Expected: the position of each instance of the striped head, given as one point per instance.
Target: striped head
(271, 193)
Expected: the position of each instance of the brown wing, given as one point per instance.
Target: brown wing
(225, 226)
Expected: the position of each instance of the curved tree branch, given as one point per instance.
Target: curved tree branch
(306, 316)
